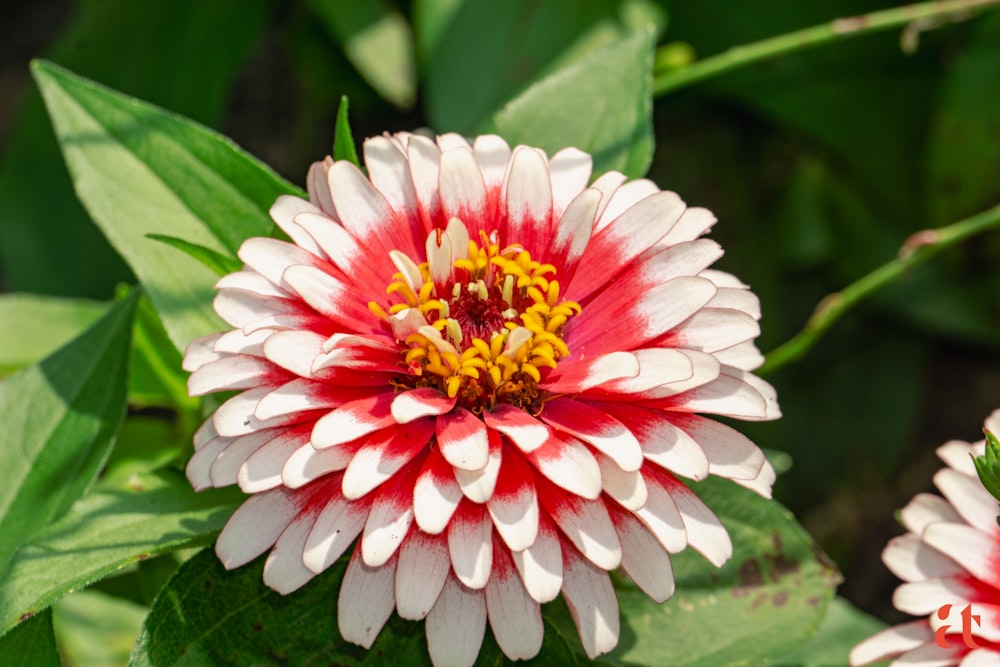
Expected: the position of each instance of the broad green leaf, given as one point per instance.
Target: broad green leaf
(32, 644)
(601, 104)
(59, 418)
(766, 601)
(207, 615)
(156, 378)
(120, 522)
(477, 56)
(843, 628)
(140, 170)
(185, 56)
(379, 43)
(219, 263)
(33, 326)
(963, 152)
(96, 630)
(343, 141)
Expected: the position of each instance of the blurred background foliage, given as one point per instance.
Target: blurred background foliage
(819, 166)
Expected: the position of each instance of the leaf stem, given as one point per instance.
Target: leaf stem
(915, 18)
(915, 251)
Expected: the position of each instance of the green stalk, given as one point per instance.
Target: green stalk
(915, 18)
(917, 250)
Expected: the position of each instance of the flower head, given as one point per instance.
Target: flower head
(950, 563)
(492, 375)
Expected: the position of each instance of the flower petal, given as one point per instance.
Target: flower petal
(592, 603)
(515, 617)
(366, 600)
(456, 625)
(423, 567)
(462, 439)
(470, 544)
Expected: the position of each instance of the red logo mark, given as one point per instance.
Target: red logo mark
(968, 618)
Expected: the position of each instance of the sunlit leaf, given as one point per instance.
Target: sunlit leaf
(343, 141)
(32, 326)
(120, 522)
(59, 418)
(601, 104)
(139, 171)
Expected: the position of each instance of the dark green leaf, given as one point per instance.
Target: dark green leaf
(140, 170)
(94, 629)
(182, 56)
(769, 598)
(156, 378)
(120, 522)
(343, 140)
(32, 644)
(601, 104)
(60, 418)
(34, 326)
(218, 262)
(378, 41)
(963, 154)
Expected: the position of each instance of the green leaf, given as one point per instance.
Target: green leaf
(988, 466)
(601, 104)
(379, 43)
(187, 58)
(156, 378)
(206, 615)
(60, 418)
(963, 154)
(120, 522)
(843, 628)
(33, 326)
(769, 598)
(95, 629)
(33, 644)
(140, 170)
(218, 262)
(343, 140)
(477, 56)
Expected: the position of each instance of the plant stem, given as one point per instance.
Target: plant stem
(917, 17)
(916, 250)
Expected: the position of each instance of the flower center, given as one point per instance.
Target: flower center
(477, 322)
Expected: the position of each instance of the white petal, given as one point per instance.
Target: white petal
(200, 464)
(891, 642)
(291, 398)
(353, 420)
(514, 616)
(911, 560)
(570, 170)
(420, 574)
(254, 527)
(387, 525)
(541, 564)
(435, 495)
(592, 603)
(492, 153)
(566, 462)
(925, 597)
(974, 550)
(337, 525)
(225, 469)
(644, 558)
(462, 439)
(200, 352)
(925, 509)
(389, 172)
(664, 521)
(232, 373)
(262, 469)
(596, 427)
(705, 533)
(523, 430)
(470, 543)
(970, 498)
(366, 600)
(416, 403)
(587, 525)
(456, 625)
(283, 569)
(627, 488)
(294, 350)
(478, 485)
(308, 463)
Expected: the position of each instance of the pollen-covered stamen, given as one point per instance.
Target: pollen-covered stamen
(494, 319)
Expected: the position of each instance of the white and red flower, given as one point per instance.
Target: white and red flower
(950, 563)
(489, 372)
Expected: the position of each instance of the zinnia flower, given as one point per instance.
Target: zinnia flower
(492, 374)
(950, 561)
